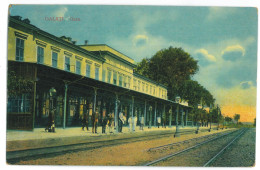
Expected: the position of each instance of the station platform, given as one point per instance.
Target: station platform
(20, 140)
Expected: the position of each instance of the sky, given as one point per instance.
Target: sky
(222, 39)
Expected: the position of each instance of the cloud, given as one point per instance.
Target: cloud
(216, 13)
(140, 40)
(206, 55)
(234, 48)
(60, 12)
(233, 53)
(246, 84)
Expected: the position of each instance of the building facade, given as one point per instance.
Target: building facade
(86, 78)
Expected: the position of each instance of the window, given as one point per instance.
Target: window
(143, 87)
(103, 75)
(159, 92)
(138, 87)
(97, 73)
(19, 104)
(54, 59)
(78, 67)
(19, 49)
(115, 78)
(109, 74)
(129, 82)
(120, 80)
(151, 89)
(146, 88)
(88, 70)
(124, 81)
(40, 55)
(135, 84)
(67, 63)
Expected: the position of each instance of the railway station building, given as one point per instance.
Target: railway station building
(76, 80)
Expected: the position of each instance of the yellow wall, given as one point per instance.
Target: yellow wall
(29, 52)
(30, 55)
(107, 48)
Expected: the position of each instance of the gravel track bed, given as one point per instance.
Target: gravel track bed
(199, 156)
(125, 154)
(240, 154)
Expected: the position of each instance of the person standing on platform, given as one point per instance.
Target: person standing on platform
(96, 120)
(110, 122)
(134, 121)
(87, 120)
(164, 120)
(141, 123)
(93, 121)
(104, 123)
(158, 121)
(121, 121)
(130, 122)
(84, 122)
(51, 123)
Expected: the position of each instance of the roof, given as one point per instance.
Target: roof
(106, 48)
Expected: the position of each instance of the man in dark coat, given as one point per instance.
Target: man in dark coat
(94, 119)
(104, 123)
(84, 122)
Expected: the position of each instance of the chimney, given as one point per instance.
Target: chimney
(86, 42)
(27, 21)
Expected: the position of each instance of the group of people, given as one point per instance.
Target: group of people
(107, 122)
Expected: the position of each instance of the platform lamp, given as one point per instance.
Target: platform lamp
(210, 114)
(223, 121)
(177, 100)
(52, 92)
(218, 116)
(170, 122)
(150, 117)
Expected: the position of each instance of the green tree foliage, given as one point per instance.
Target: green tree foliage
(170, 67)
(196, 94)
(173, 67)
(237, 117)
(216, 115)
(228, 119)
(17, 85)
(143, 67)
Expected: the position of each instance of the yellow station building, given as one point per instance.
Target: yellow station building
(76, 80)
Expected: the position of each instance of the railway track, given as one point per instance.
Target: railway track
(188, 141)
(28, 154)
(222, 150)
(215, 146)
(31, 154)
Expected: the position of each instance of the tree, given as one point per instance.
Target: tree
(143, 67)
(17, 86)
(196, 94)
(170, 67)
(174, 67)
(228, 119)
(236, 117)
